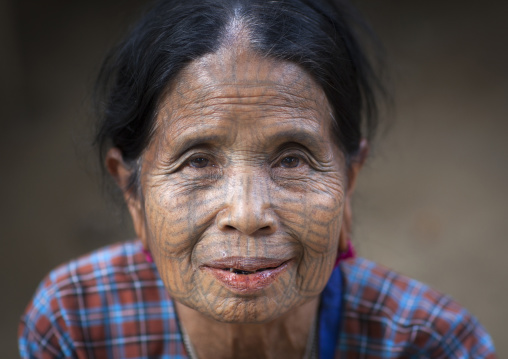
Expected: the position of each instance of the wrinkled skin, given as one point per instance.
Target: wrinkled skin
(242, 164)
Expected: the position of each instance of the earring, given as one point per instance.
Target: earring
(348, 253)
(148, 255)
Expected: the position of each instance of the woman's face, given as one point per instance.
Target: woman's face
(242, 188)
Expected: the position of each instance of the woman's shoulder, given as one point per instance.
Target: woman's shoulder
(115, 267)
(397, 315)
(94, 302)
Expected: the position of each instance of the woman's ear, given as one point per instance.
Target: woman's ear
(347, 216)
(356, 164)
(118, 169)
(122, 173)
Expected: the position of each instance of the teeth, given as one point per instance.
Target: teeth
(239, 271)
(243, 272)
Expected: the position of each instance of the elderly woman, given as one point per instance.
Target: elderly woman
(235, 130)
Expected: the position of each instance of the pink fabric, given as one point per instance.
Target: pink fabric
(349, 253)
(148, 255)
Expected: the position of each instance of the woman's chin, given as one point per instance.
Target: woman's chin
(228, 307)
(247, 311)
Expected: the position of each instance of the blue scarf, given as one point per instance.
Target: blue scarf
(330, 316)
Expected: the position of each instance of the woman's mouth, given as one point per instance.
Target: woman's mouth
(246, 275)
(245, 272)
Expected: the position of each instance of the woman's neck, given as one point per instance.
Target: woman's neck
(284, 337)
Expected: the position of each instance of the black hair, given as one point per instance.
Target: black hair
(319, 35)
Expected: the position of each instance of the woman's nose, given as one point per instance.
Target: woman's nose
(248, 207)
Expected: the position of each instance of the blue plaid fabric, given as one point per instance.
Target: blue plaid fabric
(112, 304)
(391, 316)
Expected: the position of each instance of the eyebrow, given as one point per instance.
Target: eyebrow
(181, 147)
(298, 135)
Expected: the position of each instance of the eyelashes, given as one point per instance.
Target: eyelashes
(290, 162)
(201, 167)
(198, 162)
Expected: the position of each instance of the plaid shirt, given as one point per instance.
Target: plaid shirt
(112, 304)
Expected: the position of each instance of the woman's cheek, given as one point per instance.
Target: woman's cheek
(314, 217)
(312, 211)
(177, 215)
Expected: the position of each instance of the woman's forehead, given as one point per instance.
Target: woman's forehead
(222, 91)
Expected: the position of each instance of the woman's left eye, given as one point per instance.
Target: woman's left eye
(199, 162)
(290, 162)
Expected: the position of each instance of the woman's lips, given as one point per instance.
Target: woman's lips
(246, 275)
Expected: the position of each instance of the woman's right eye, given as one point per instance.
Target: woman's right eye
(290, 162)
(199, 162)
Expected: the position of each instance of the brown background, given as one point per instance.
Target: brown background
(432, 202)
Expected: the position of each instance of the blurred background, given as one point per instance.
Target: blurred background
(432, 202)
